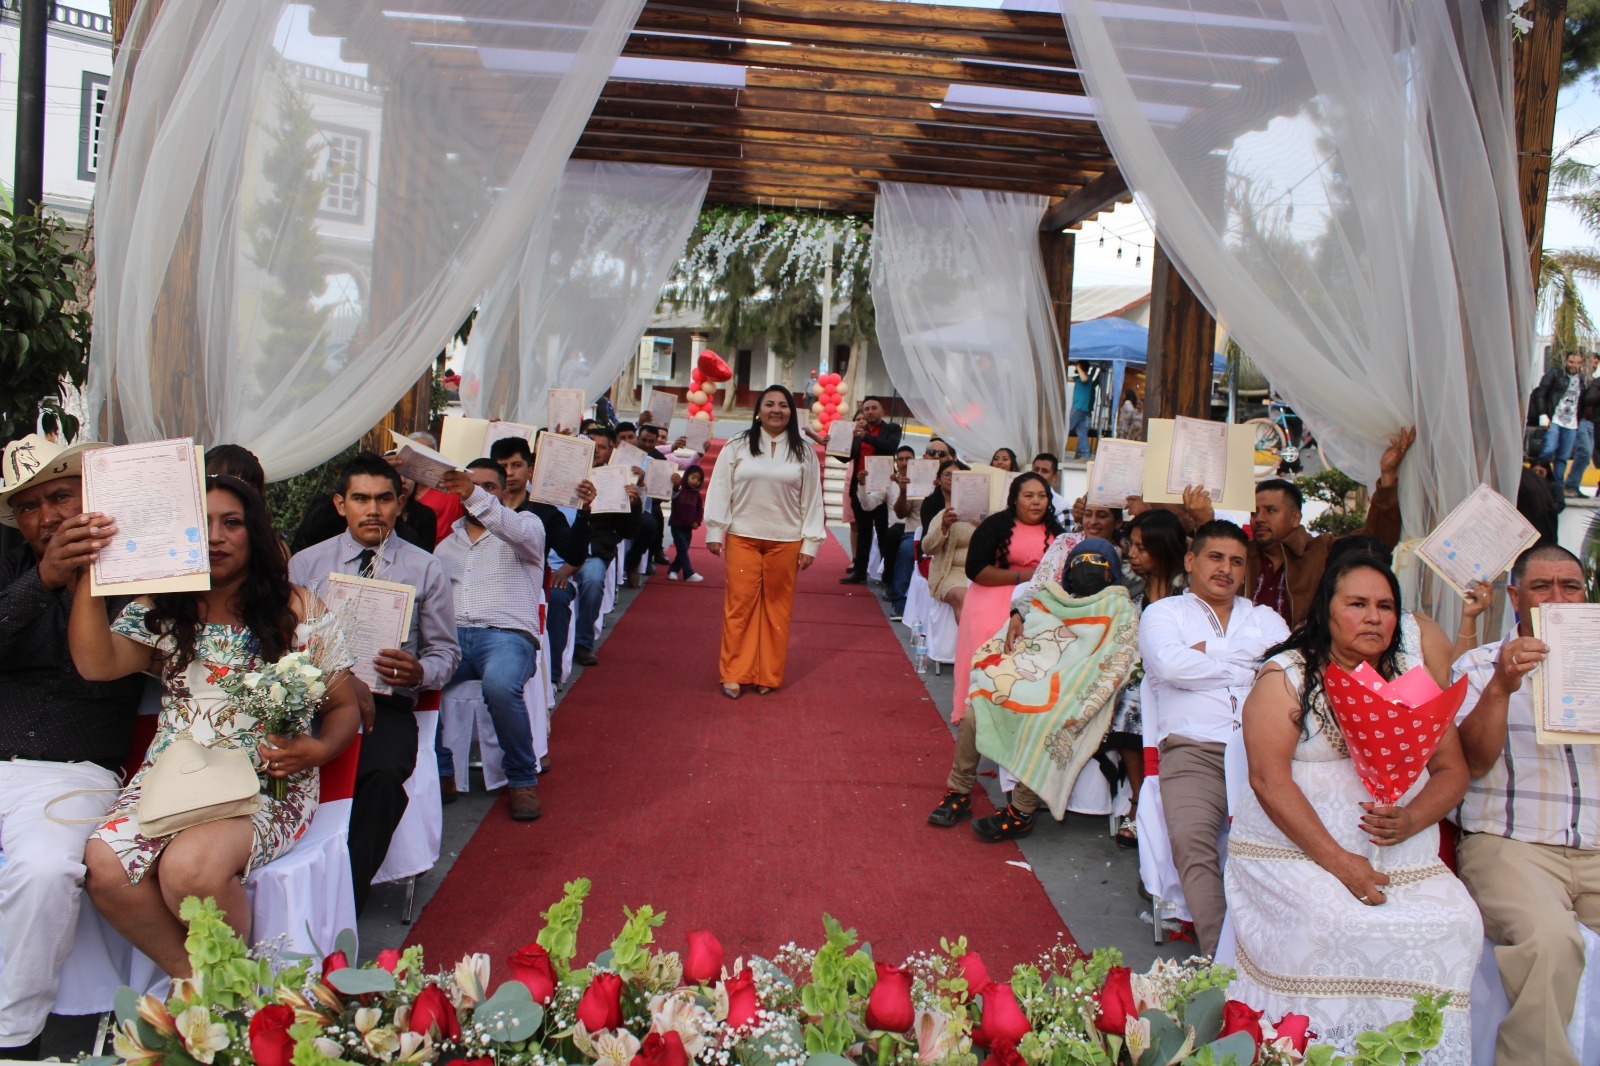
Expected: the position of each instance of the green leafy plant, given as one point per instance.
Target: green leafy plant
(44, 322)
(1342, 495)
(288, 499)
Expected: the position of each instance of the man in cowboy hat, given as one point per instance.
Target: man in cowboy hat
(58, 732)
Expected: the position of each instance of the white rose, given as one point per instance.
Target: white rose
(277, 693)
(315, 690)
(309, 672)
(252, 680)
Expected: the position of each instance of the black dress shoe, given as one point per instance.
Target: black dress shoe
(853, 579)
(585, 656)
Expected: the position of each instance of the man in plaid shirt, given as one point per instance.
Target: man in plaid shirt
(1530, 853)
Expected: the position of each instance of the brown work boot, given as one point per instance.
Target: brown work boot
(524, 803)
(447, 790)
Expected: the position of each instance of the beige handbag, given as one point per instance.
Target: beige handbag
(190, 784)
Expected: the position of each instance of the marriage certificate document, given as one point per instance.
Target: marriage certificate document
(610, 489)
(1478, 541)
(374, 615)
(421, 463)
(660, 409)
(921, 476)
(155, 494)
(1566, 690)
(559, 466)
(697, 435)
(658, 479)
(880, 469)
(565, 410)
(1116, 473)
(969, 494)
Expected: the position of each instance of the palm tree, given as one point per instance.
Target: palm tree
(1575, 184)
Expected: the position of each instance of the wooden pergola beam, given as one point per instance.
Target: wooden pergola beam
(1096, 196)
(1537, 81)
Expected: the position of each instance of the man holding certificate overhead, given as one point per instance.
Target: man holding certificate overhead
(58, 732)
(404, 636)
(1530, 850)
(495, 559)
(1286, 561)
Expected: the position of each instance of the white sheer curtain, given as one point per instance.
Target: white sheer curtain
(568, 310)
(1338, 182)
(964, 316)
(303, 201)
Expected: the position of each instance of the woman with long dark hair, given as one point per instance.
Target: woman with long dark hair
(250, 617)
(1156, 546)
(1002, 554)
(1342, 909)
(1004, 459)
(764, 517)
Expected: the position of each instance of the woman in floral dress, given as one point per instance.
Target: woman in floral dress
(251, 616)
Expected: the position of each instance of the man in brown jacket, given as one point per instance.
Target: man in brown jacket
(1286, 561)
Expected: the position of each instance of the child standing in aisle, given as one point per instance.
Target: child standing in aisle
(688, 511)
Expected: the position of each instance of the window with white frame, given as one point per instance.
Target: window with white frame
(342, 167)
(91, 112)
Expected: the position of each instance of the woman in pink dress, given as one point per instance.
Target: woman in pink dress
(1003, 552)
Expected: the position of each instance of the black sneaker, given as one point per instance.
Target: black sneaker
(1009, 824)
(954, 807)
(585, 656)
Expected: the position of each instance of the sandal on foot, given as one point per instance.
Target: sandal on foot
(1127, 834)
(954, 807)
(1009, 824)
(733, 692)
(762, 690)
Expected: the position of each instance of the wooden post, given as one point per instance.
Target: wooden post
(1182, 337)
(1059, 252)
(407, 170)
(1537, 79)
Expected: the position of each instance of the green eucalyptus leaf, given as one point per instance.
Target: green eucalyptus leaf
(346, 942)
(605, 958)
(827, 1058)
(355, 982)
(1239, 1048)
(510, 1015)
(126, 1005)
(1204, 1015)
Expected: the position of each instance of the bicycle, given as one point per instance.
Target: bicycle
(1284, 434)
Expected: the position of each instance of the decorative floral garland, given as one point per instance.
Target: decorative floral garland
(806, 243)
(638, 1006)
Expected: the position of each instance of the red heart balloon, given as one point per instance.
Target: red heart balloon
(713, 367)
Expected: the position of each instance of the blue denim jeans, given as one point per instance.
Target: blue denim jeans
(682, 537)
(557, 620)
(902, 573)
(1582, 452)
(503, 661)
(591, 579)
(1558, 444)
(1078, 426)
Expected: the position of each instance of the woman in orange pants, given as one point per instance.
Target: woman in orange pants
(764, 517)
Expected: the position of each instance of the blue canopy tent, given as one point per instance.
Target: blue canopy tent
(1122, 344)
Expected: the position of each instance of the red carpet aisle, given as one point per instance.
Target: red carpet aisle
(751, 817)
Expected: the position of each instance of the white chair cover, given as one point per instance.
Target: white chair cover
(572, 635)
(306, 898)
(1490, 1006)
(1156, 871)
(875, 561)
(415, 847)
(919, 602)
(465, 718)
(942, 629)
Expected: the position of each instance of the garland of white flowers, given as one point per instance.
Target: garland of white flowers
(1520, 23)
(806, 243)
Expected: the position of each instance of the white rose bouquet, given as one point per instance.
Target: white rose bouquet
(285, 696)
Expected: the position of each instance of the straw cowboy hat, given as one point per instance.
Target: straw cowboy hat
(33, 460)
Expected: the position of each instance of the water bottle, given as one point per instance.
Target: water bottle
(919, 648)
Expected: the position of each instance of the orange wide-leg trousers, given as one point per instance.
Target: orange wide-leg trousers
(756, 606)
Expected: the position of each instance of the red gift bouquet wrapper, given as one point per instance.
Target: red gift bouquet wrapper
(1391, 728)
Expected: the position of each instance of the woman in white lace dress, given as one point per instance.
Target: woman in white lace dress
(1342, 908)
